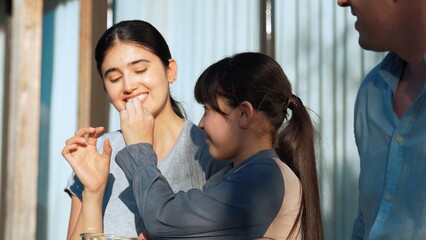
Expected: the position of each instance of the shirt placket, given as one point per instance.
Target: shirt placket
(393, 172)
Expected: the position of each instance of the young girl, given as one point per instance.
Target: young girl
(135, 63)
(270, 190)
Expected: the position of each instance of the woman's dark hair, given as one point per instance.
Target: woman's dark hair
(139, 33)
(259, 79)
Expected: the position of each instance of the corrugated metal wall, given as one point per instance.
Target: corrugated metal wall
(315, 43)
(198, 33)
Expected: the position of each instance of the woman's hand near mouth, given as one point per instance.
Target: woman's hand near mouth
(137, 123)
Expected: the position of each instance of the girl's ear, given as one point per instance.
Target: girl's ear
(246, 114)
(172, 71)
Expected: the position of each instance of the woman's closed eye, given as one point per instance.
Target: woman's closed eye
(114, 77)
(140, 71)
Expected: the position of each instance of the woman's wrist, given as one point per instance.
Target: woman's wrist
(93, 196)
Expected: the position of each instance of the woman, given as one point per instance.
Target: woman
(135, 64)
(270, 190)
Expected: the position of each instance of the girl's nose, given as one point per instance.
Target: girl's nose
(343, 3)
(201, 123)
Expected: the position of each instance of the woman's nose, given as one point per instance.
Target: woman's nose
(343, 3)
(129, 84)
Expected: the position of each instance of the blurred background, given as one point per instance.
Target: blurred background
(50, 88)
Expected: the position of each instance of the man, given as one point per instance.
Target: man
(390, 120)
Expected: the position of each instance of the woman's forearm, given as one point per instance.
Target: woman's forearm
(90, 218)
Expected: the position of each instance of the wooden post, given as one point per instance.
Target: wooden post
(4, 28)
(19, 197)
(93, 103)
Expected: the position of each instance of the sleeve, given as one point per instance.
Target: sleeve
(74, 186)
(358, 228)
(240, 206)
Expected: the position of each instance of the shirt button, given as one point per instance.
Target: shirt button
(399, 138)
(388, 197)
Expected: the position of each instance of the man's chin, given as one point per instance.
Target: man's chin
(367, 45)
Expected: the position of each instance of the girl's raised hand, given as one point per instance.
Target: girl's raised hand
(137, 123)
(91, 168)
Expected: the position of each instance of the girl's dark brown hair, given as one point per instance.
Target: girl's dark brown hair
(139, 33)
(259, 79)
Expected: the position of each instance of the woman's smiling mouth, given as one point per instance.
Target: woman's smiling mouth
(141, 97)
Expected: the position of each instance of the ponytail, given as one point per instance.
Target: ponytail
(295, 147)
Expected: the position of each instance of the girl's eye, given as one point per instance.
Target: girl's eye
(206, 109)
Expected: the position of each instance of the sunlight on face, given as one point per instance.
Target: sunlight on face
(221, 131)
(132, 72)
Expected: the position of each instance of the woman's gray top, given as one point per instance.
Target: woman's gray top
(187, 166)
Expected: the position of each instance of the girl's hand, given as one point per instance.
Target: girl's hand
(91, 168)
(137, 123)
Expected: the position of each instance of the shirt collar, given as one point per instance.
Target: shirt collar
(268, 153)
(391, 69)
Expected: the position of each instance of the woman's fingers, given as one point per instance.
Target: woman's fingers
(80, 136)
(85, 136)
(130, 109)
(137, 105)
(136, 123)
(133, 111)
(107, 149)
(92, 137)
(83, 131)
(67, 150)
(76, 140)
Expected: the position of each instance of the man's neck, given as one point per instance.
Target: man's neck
(410, 85)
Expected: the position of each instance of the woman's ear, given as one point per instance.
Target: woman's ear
(172, 71)
(246, 114)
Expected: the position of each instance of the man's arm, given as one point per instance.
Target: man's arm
(358, 228)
